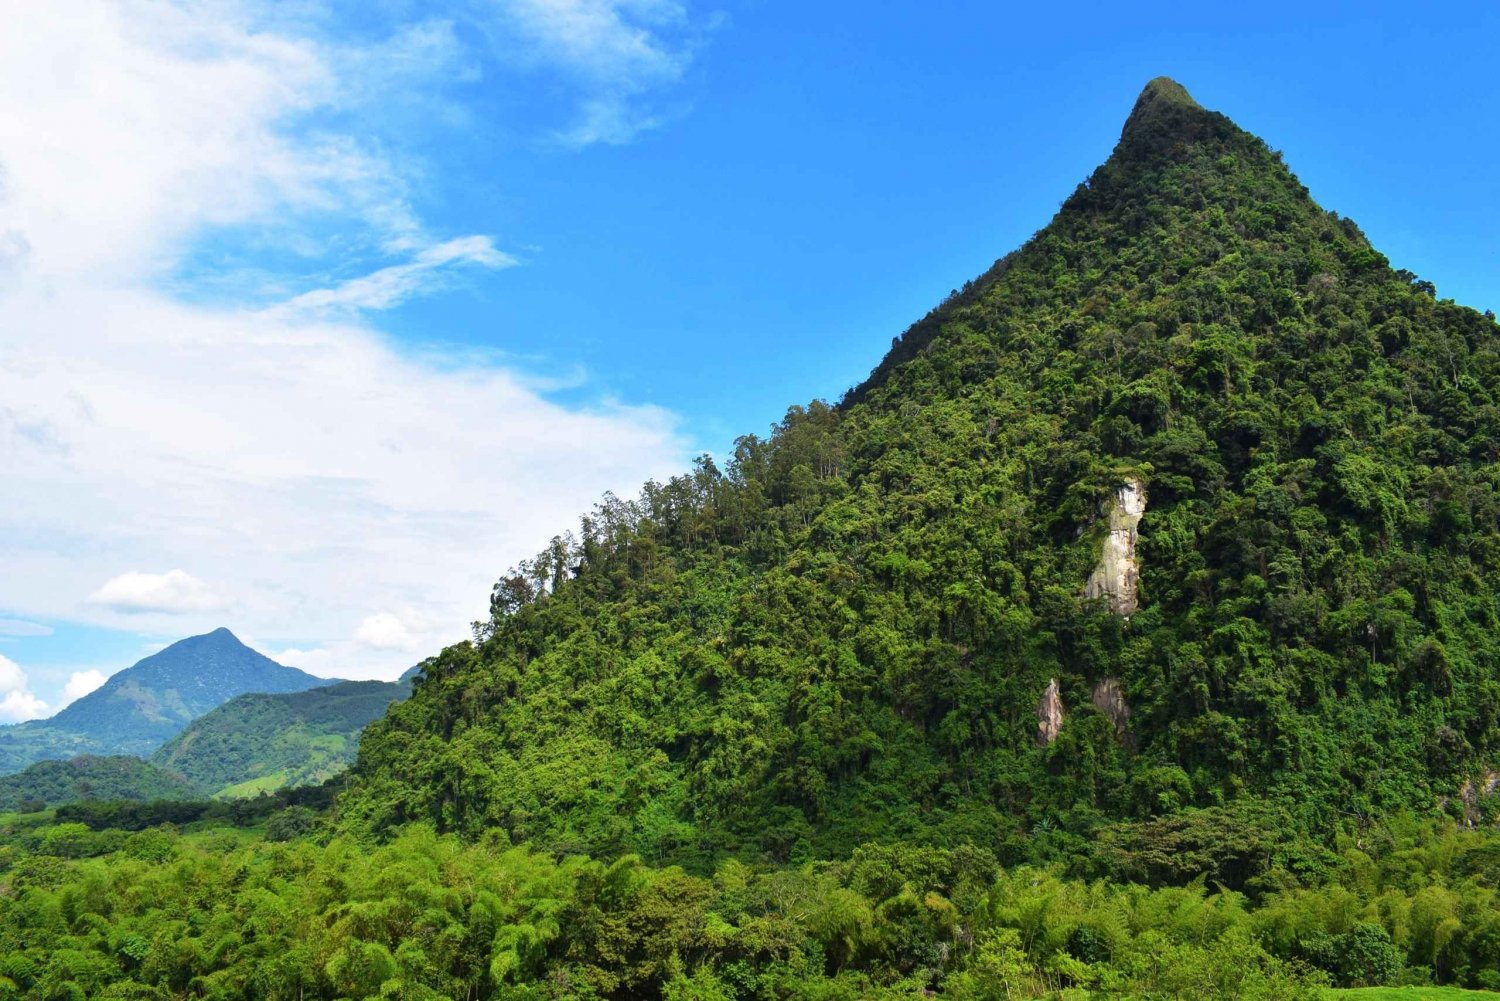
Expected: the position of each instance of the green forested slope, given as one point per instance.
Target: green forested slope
(844, 634)
(771, 731)
(53, 783)
(260, 742)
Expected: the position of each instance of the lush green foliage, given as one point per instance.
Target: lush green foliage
(52, 783)
(137, 815)
(214, 912)
(1407, 994)
(770, 731)
(842, 635)
(24, 744)
(259, 742)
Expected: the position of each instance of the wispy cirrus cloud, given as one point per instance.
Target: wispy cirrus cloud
(618, 57)
(392, 285)
(20, 627)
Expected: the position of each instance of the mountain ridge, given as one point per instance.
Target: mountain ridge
(140, 707)
(53, 783)
(259, 742)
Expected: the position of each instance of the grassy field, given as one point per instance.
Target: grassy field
(1410, 994)
(30, 818)
(253, 787)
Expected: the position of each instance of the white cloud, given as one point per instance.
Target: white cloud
(12, 678)
(131, 125)
(17, 707)
(81, 683)
(392, 285)
(381, 646)
(386, 631)
(19, 627)
(605, 40)
(295, 457)
(17, 703)
(616, 53)
(175, 592)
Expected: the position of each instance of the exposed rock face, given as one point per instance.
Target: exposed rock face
(1487, 784)
(1109, 698)
(1049, 714)
(1118, 575)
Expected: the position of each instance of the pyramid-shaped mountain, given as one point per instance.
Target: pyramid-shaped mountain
(1190, 501)
(141, 707)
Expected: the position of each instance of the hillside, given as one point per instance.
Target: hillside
(258, 742)
(141, 707)
(1115, 640)
(1191, 502)
(53, 783)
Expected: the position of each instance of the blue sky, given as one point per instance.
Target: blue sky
(315, 317)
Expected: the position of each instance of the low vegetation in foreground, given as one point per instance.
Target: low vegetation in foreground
(1409, 994)
(96, 904)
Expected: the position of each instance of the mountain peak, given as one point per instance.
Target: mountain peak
(220, 641)
(1164, 89)
(1165, 131)
(139, 708)
(1165, 108)
(1193, 384)
(220, 637)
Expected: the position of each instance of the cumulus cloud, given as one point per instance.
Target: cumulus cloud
(386, 631)
(382, 646)
(175, 592)
(17, 703)
(81, 683)
(17, 707)
(310, 468)
(12, 678)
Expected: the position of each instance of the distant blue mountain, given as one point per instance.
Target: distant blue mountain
(142, 707)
